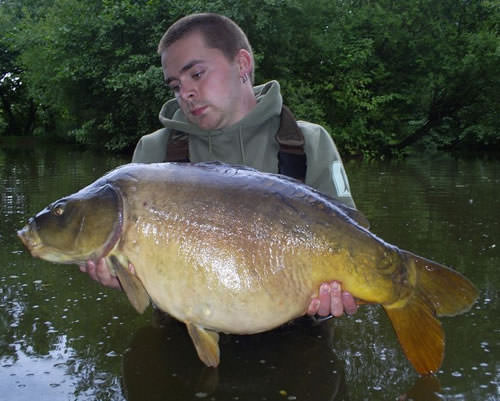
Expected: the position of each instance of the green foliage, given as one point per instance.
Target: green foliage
(381, 76)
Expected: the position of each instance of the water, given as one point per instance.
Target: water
(64, 337)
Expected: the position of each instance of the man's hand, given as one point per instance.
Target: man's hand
(99, 272)
(332, 301)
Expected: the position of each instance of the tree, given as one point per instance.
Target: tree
(382, 76)
(17, 109)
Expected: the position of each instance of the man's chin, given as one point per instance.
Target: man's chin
(206, 124)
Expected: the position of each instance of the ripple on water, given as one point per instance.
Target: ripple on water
(35, 376)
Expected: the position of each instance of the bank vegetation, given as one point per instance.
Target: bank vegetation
(383, 76)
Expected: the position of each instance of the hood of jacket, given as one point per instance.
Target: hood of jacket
(245, 142)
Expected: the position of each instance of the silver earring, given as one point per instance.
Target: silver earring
(244, 79)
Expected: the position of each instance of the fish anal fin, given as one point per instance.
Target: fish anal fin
(420, 334)
(206, 343)
(131, 285)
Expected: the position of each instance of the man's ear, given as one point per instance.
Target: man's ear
(245, 62)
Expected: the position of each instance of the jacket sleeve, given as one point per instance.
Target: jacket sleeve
(152, 148)
(325, 170)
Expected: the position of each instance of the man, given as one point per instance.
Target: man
(208, 63)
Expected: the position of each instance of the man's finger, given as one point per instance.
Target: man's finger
(337, 308)
(91, 270)
(324, 299)
(350, 305)
(313, 307)
(102, 272)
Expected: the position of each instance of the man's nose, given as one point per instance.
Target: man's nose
(187, 91)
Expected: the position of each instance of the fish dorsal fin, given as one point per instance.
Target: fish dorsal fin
(206, 343)
(131, 285)
(354, 214)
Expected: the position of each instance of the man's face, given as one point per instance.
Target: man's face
(206, 84)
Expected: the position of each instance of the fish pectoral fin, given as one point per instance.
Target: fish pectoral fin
(131, 285)
(206, 343)
(420, 333)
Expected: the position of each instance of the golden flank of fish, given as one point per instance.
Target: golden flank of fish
(230, 249)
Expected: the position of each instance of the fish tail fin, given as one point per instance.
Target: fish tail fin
(438, 291)
(419, 333)
(448, 290)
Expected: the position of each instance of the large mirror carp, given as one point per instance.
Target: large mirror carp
(233, 250)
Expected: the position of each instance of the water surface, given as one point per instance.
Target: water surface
(64, 337)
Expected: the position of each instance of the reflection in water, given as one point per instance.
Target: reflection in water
(64, 337)
(425, 389)
(295, 363)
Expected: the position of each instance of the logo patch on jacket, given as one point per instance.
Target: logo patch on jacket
(339, 178)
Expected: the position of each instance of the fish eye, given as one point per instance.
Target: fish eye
(58, 209)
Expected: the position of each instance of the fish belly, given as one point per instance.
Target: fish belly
(217, 291)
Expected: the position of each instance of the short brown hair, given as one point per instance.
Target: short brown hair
(218, 31)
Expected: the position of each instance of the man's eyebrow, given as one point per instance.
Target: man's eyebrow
(185, 68)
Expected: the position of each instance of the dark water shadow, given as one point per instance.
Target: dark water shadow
(294, 362)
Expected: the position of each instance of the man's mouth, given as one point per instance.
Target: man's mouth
(197, 111)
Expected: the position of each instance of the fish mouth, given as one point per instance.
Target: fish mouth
(29, 237)
(32, 241)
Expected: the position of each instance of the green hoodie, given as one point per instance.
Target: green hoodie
(251, 142)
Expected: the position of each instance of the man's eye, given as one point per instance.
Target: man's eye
(197, 75)
(174, 86)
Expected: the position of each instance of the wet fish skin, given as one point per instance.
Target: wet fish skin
(231, 249)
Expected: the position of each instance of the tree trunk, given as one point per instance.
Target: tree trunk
(7, 110)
